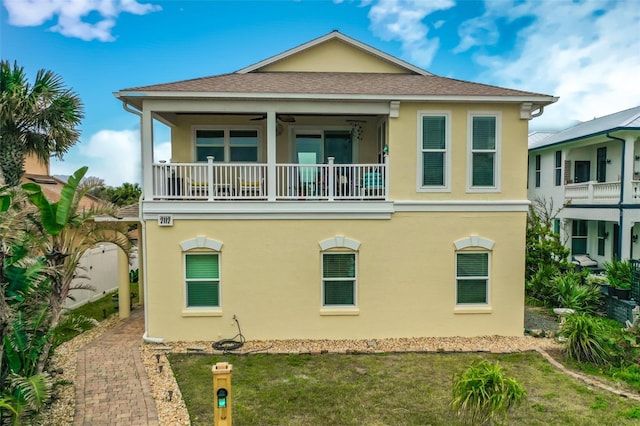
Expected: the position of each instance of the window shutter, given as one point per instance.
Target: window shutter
(202, 266)
(339, 265)
(567, 171)
(338, 292)
(473, 265)
(472, 291)
(483, 169)
(433, 129)
(484, 132)
(433, 167)
(203, 293)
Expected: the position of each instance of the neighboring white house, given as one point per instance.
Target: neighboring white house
(592, 172)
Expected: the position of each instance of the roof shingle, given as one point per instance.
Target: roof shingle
(332, 84)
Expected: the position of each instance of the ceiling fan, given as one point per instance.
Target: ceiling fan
(282, 117)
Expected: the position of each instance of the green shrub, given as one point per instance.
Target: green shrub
(569, 292)
(539, 287)
(619, 273)
(482, 393)
(586, 339)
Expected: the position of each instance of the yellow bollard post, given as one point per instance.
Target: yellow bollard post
(222, 393)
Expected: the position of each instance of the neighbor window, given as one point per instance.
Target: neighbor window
(538, 171)
(484, 152)
(579, 237)
(227, 145)
(338, 279)
(558, 168)
(472, 278)
(434, 144)
(602, 236)
(202, 277)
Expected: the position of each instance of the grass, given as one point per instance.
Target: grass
(98, 310)
(384, 389)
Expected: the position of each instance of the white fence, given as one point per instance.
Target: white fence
(99, 269)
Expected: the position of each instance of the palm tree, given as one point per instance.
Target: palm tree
(65, 232)
(37, 119)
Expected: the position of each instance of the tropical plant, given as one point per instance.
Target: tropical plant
(38, 118)
(570, 292)
(65, 232)
(539, 288)
(619, 273)
(482, 393)
(586, 339)
(543, 245)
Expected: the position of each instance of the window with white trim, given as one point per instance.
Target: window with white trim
(472, 278)
(226, 144)
(538, 171)
(434, 144)
(558, 169)
(483, 151)
(339, 279)
(202, 280)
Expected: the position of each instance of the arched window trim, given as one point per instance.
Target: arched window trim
(201, 242)
(474, 241)
(339, 241)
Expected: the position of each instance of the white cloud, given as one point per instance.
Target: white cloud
(402, 20)
(70, 15)
(587, 53)
(111, 155)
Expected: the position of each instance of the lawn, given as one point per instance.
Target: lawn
(384, 389)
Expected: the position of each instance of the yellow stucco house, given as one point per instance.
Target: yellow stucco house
(333, 192)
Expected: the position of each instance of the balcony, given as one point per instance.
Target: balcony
(220, 182)
(592, 192)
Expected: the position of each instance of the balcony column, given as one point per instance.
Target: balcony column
(629, 162)
(146, 138)
(271, 155)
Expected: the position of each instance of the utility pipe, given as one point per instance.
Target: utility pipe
(620, 208)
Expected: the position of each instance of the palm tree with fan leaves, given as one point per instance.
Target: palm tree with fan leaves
(39, 119)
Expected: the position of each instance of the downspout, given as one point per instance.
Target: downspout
(145, 336)
(620, 208)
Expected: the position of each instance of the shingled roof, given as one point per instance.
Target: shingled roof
(330, 83)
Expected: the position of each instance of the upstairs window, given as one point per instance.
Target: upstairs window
(227, 145)
(558, 168)
(483, 152)
(433, 159)
(538, 171)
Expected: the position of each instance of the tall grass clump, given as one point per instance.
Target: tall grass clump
(570, 292)
(482, 393)
(586, 339)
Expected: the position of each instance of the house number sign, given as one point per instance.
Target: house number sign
(165, 220)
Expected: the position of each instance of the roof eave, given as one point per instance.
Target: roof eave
(591, 135)
(538, 100)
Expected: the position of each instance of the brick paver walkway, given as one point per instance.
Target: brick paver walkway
(111, 383)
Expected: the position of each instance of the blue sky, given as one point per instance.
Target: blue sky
(585, 52)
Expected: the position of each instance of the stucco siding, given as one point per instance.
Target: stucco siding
(403, 149)
(271, 277)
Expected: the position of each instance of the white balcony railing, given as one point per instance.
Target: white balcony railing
(248, 181)
(592, 192)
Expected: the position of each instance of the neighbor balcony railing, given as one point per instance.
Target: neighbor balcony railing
(248, 181)
(590, 192)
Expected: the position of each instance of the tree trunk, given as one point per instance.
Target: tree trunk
(12, 159)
